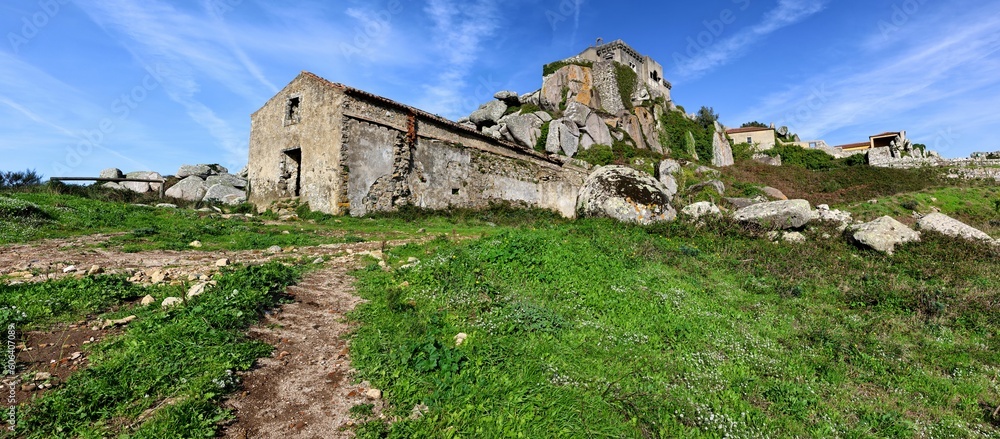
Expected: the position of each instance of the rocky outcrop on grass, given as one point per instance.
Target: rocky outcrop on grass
(883, 234)
(946, 225)
(624, 194)
(790, 214)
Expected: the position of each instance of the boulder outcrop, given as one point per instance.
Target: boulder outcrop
(946, 225)
(883, 234)
(790, 214)
(626, 195)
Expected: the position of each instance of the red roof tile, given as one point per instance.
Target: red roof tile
(747, 130)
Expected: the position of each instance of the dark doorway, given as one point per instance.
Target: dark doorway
(291, 171)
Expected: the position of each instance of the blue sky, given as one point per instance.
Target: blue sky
(152, 84)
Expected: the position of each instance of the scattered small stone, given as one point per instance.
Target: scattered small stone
(222, 262)
(69, 269)
(158, 277)
(42, 376)
(95, 269)
(460, 338)
(195, 244)
(274, 249)
(318, 261)
(120, 322)
(171, 301)
(197, 290)
(75, 356)
(421, 230)
(374, 393)
(286, 232)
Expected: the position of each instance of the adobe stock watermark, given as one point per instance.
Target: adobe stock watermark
(945, 138)
(808, 107)
(901, 15)
(714, 29)
(10, 371)
(566, 10)
(223, 7)
(32, 24)
(121, 108)
(485, 89)
(364, 35)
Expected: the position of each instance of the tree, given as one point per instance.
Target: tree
(754, 124)
(19, 179)
(706, 117)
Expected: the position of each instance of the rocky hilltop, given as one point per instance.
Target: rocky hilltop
(584, 104)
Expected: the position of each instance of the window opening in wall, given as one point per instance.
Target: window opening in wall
(291, 172)
(454, 191)
(750, 140)
(292, 110)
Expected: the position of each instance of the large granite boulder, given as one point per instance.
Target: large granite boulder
(722, 151)
(883, 234)
(626, 195)
(670, 166)
(578, 84)
(488, 114)
(201, 171)
(790, 214)
(598, 130)
(524, 129)
(649, 128)
(226, 179)
(774, 193)
(717, 185)
(508, 97)
(142, 187)
(225, 194)
(577, 113)
(191, 188)
(564, 136)
(946, 225)
(630, 124)
(112, 173)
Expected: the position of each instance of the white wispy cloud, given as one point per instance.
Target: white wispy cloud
(186, 49)
(718, 54)
(924, 82)
(459, 33)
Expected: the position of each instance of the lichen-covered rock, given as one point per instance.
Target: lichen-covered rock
(225, 194)
(201, 171)
(192, 188)
(883, 234)
(669, 182)
(577, 113)
(702, 209)
(112, 173)
(669, 166)
(488, 114)
(508, 97)
(626, 195)
(946, 225)
(790, 214)
(578, 84)
(839, 217)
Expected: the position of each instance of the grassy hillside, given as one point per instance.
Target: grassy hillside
(573, 328)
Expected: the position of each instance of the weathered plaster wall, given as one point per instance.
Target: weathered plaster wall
(316, 132)
(443, 166)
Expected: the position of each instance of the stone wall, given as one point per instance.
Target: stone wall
(606, 84)
(378, 155)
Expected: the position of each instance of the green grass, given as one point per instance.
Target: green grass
(172, 365)
(34, 305)
(974, 205)
(594, 329)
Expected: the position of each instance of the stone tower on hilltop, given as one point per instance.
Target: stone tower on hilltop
(649, 71)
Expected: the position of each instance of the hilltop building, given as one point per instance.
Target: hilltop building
(761, 138)
(650, 71)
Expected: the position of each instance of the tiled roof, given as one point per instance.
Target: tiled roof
(747, 130)
(890, 133)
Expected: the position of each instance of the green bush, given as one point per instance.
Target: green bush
(16, 179)
(628, 80)
(597, 155)
(551, 68)
(543, 138)
(743, 151)
(675, 137)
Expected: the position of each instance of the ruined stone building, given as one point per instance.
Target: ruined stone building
(342, 150)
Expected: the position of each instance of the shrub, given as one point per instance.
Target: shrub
(551, 68)
(743, 151)
(597, 155)
(16, 179)
(675, 136)
(543, 138)
(628, 80)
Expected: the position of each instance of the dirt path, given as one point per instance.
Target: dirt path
(305, 389)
